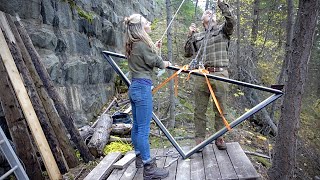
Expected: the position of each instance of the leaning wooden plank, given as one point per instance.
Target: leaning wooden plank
(224, 163)
(5, 27)
(54, 95)
(241, 162)
(104, 168)
(54, 118)
(37, 104)
(125, 161)
(17, 126)
(28, 111)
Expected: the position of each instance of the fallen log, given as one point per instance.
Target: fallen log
(101, 135)
(117, 139)
(86, 132)
(121, 129)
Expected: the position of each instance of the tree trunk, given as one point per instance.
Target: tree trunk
(101, 135)
(238, 61)
(38, 107)
(207, 4)
(284, 68)
(288, 48)
(284, 161)
(18, 127)
(55, 120)
(61, 108)
(171, 83)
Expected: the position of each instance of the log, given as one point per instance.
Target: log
(121, 129)
(86, 132)
(113, 102)
(38, 107)
(17, 126)
(54, 95)
(101, 135)
(54, 118)
(117, 139)
(28, 111)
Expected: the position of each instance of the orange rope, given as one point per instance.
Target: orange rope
(202, 71)
(154, 90)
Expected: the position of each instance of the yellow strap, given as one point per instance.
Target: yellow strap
(205, 72)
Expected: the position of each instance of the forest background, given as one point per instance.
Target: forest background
(259, 51)
(263, 50)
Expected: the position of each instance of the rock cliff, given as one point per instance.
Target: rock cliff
(69, 36)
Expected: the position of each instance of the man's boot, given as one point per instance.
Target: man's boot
(151, 171)
(221, 145)
(139, 163)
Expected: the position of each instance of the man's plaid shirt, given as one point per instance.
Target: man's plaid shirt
(216, 52)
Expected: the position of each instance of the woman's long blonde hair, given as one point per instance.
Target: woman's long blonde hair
(135, 32)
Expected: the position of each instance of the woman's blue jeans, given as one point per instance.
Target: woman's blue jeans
(140, 95)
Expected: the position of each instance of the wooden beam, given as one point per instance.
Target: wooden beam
(18, 127)
(28, 110)
(241, 162)
(62, 109)
(104, 168)
(125, 161)
(53, 116)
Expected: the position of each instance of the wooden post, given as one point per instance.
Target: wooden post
(18, 127)
(35, 100)
(28, 111)
(55, 120)
(61, 108)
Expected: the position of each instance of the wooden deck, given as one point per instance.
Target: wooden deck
(210, 164)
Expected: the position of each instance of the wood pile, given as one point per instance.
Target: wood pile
(38, 120)
(97, 136)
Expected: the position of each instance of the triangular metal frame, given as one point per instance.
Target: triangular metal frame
(276, 94)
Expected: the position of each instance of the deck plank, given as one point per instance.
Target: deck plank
(211, 167)
(125, 161)
(184, 167)
(104, 168)
(116, 174)
(172, 157)
(225, 166)
(197, 169)
(241, 162)
(211, 164)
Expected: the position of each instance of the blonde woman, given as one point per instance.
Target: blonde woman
(142, 56)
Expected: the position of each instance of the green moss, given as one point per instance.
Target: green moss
(86, 15)
(263, 161)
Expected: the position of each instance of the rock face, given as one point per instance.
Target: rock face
(69, 36)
